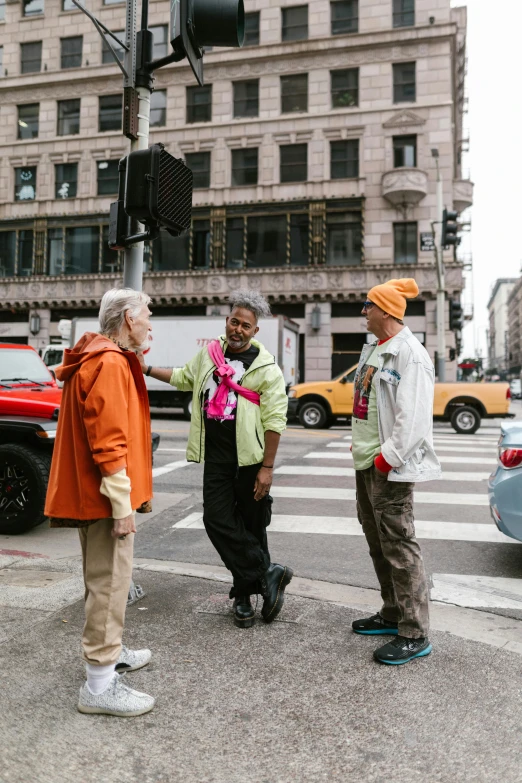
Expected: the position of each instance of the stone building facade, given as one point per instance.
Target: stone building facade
(311, 149)
(499, 325)
(514, 334)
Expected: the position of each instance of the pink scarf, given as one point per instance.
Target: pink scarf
(216, 406)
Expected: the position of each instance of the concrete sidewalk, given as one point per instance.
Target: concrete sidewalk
(299, 700)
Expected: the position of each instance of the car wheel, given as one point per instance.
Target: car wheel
(465, 420)
(313, 416)
(24, 474)
(187, 408)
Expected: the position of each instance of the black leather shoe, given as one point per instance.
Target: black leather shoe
(243, 612)
(273, 584)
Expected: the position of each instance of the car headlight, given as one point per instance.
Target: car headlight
(292, 393)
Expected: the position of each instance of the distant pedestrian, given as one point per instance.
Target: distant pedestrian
(100, 474)
(238, 414)
(392, 448)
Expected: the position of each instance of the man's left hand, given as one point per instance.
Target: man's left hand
(263, 483)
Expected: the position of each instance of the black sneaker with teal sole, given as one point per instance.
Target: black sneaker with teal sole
(402, 650)
(374, 626)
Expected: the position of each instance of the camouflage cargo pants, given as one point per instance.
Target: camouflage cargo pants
(385, 511)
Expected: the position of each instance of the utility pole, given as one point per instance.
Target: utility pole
(441, 287)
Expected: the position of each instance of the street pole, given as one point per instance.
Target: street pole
(441, 288)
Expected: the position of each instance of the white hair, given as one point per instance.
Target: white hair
(250, 300)
(115, 304)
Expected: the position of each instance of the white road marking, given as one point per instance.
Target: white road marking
(349, 526)
(460, 449)
(333, 493)
(455, 460)
(169, 468)
(474, 591)
(457, 439)
(313, 470)
(160, 449)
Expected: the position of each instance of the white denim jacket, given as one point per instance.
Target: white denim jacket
(404, 384)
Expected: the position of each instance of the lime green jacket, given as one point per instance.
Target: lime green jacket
(252, 421)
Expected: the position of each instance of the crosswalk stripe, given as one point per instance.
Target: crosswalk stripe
(493, 441)
(349, 526)
(438, 447)
(332, 493)
(320, 470)
(456, 460)
(169, 468)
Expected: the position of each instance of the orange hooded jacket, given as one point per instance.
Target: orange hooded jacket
(103, 426)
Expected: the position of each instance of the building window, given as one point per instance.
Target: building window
(82, 247)
(108, 177)
(1, 61)
(344, 159)
(25, 254)
(403, 82)
(246, 98)
(404, 151)
(199, 104)
(295, 23)
(403, 13)
(170, 252)
(25, 183)
(266, 241)
(343, 239)
(235, 242)
(7, 253)
(71, 52)
(201, 244)
(405, 243)
(294, 93)
(109, 117)
(33, 7)
(107, 57)
(161, 44)
(68, 117)
(68, 5)
(110, 259)
(28, 116)
(299, 240)
(251, 29)
(199, 164)
(158, 108)
(31, 57)
(345, 88)
(293, 162)
(344, 15)
(244, 166)
(2, 13)
(65, 180)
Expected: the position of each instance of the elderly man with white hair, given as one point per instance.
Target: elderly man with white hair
(101, 474)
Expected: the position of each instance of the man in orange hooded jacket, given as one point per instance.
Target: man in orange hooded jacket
(100, 474)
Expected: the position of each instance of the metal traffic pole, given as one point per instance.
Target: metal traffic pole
(441, 287)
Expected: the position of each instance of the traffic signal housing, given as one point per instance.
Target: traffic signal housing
(158, 189)
(455, 316)
(195, 24)
(449, 229)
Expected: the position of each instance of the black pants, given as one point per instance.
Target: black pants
(236, 523)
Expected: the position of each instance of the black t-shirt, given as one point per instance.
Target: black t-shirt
(220, 434)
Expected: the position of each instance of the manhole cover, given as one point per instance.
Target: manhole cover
(24, 577)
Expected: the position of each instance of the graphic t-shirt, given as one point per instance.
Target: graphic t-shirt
(365, 426)
(220, 434)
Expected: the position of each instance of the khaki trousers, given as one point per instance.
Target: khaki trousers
(107, 573)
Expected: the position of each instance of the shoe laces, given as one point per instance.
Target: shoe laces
(405, 643)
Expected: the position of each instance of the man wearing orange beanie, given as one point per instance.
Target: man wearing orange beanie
(392, 448)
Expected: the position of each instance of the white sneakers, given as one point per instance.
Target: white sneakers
(118, 698)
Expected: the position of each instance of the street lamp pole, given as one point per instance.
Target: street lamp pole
(441, 286)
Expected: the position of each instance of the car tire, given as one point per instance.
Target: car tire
(314, 416)
(187, 408)
(24, 474)
(465, 420)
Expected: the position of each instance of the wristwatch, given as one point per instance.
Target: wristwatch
(149, 370)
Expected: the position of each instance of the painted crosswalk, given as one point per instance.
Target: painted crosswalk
(327, 470)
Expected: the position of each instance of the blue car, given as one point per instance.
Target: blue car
(505, 484)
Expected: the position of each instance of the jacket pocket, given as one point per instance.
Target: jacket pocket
(259, 440)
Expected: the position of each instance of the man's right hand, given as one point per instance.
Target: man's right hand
(122, 527)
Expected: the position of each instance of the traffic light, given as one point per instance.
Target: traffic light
(455, 316)
(158, 189)
(449, 229)
(198, 23)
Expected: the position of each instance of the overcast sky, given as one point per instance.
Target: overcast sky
(494, 86)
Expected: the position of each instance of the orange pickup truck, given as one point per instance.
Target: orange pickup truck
(318, 404)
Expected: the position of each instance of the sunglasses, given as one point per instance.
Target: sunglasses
(367, 305)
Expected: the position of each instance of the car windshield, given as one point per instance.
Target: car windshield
(23, 364)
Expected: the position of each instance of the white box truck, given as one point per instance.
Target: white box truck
(176, 339)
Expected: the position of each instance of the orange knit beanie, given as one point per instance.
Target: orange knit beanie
(391, 296)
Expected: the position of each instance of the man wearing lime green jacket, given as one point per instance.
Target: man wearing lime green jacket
(238, 414)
